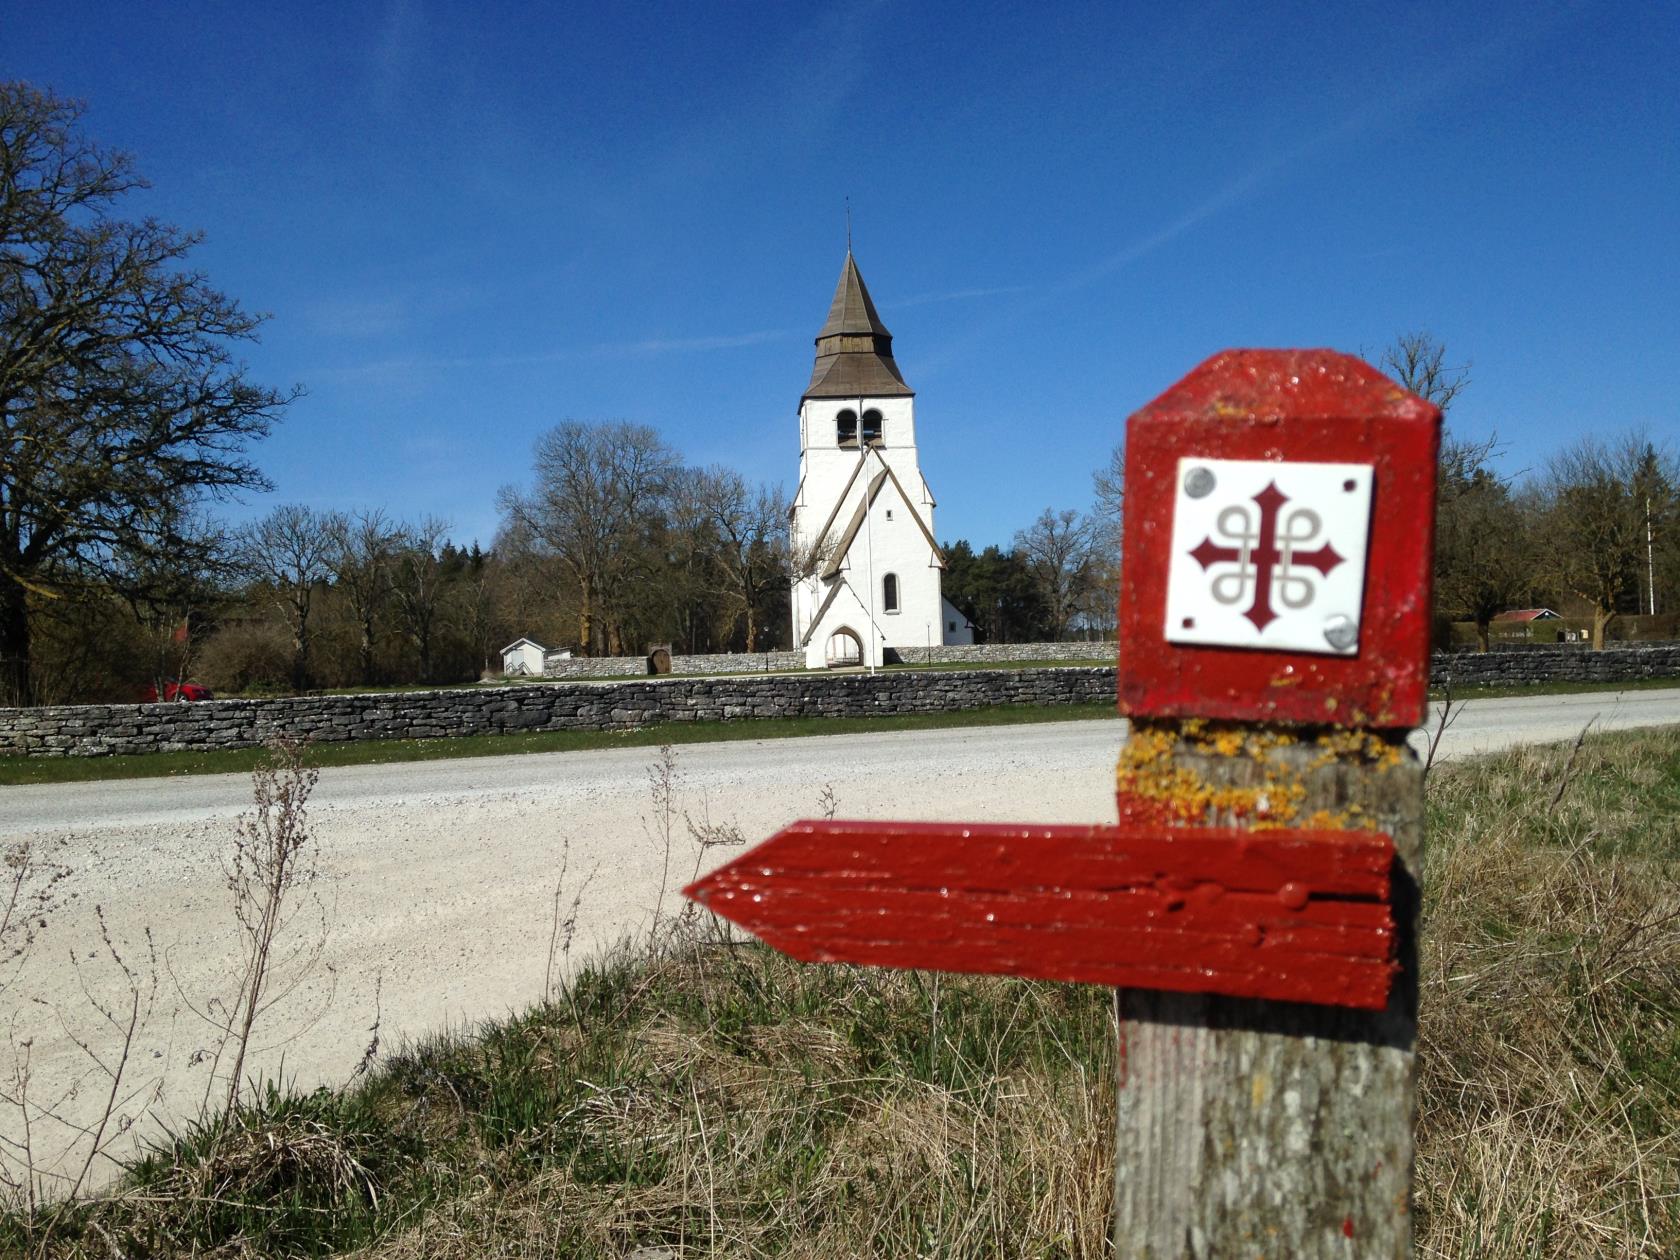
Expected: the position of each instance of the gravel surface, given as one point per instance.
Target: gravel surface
(439, 879)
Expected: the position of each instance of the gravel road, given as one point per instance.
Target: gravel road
(439, 878)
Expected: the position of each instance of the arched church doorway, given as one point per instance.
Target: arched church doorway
(844, 648)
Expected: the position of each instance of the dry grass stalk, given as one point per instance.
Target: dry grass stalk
(1550, 1043)
(45, 1170)
(270, 873)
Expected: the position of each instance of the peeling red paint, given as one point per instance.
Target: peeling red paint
(1283, 405)
(1287, 915)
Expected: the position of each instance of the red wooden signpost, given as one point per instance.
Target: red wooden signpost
(1256, 906)
(1294, 915)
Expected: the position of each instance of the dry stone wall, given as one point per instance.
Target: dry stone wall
(101, 730)
(637, 666)
(1002, 653)
(780, 662)
(1546, 665)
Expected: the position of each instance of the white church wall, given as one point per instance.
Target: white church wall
(896, 536)
(891, 541)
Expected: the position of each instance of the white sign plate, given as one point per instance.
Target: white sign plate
(1269, 555)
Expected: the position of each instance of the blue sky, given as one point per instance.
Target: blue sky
(471, 222)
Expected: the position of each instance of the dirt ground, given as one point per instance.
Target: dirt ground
(435, 908)
(441, 885)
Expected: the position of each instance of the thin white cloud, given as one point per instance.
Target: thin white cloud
(651, 347)
(1415, 93)
(684, 345)
(359, 317)
(957, 295)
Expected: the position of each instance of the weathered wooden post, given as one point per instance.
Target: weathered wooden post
(1256, 905)
(1274, 630)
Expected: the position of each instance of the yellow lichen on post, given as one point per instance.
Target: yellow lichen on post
(1161, 775)
(1215, 1089)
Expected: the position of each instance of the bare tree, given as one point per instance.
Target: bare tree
(1108, 484)
(751, 525)
(692, 577)
(596, 504)
(1418, 361)
(1599, 501)
(1485, 546)
(170, 597)
(1057, 551)
(121, 404)
(480, 605)
(1484, 539)
(290, 551)
(417, 584)
(363, 552)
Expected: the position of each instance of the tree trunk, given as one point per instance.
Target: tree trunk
(586, 621)
(1481, 635)
(300, 660)
(15, 686)
(1602, 617)
(367, 654)
(752, 629)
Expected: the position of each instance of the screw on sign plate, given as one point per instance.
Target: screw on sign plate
(1280, 510)
(1268, 555)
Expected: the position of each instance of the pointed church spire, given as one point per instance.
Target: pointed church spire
(854, 348)
(852, 313)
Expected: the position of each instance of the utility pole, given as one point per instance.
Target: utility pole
(868, 518)
(1650, 563)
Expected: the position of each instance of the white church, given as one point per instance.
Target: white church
(867, 582)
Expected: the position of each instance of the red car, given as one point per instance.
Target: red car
(174, 689)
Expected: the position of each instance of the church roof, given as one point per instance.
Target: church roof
(852, 310)
(854, 348)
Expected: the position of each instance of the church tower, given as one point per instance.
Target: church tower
(867, 568)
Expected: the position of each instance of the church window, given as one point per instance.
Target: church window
(847, 426)
(951, 626)
(889, 592)
(872, 427)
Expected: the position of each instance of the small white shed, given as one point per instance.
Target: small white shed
(523, 658)
(958, 629)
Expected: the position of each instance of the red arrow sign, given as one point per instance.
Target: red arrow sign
(1290, 915)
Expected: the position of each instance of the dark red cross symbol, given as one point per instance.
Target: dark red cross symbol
(1266, 557)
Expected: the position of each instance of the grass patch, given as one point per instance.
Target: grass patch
(714, 1099)
(704, 1096)
(1549, 1119)
(23, 770)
